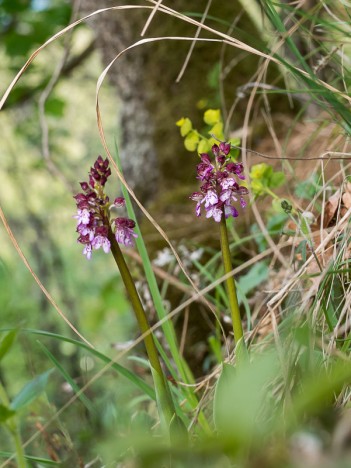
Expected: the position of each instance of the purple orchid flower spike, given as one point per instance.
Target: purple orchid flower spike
(220, 189)
(93, 213)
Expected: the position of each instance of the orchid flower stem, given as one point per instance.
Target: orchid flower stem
(161, 385)
(230, 282)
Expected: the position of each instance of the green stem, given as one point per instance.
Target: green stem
(12, 427)
(231, 289)
(166, 402)
(19, 448)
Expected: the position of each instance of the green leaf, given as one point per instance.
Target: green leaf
(212, 116)
(204, 146)
(7, 342)
(234, 141)
(31, 391)
(242, 398)
(55, 107)
(217, 131)
(276, 222)
(318, 389)
(307, 189)
(191, 141)
(185, 126)
(234, 152)
(304, 225)
(260, 171)
(277, 179)
(257, 187)
(301, 248)
(215, 346)
(257, 274)
(5, 413)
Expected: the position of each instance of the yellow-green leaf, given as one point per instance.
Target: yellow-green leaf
(212, 116)
(204, 146)
(277, 179)
(234, 141)
(191, 141)
(217, 131)
(259, 171)
(212, 141)
(186, 127)
(257, 187)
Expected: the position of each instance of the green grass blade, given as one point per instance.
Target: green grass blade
(86, 402)
(325, 98)
(44, 461)
(168, 328)
(117, 367)
(154, 290)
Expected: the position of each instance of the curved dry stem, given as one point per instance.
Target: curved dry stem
(150, 18)
(226, 39)
(39, 283)
(125, 183)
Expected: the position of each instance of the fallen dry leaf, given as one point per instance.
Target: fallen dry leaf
(330, 209)
(346, 199)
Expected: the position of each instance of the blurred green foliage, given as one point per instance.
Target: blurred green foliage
(297, 382)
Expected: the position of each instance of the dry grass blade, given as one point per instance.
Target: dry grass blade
(226, 39)
(181, 73)
(241, 45)
(150, 18)
(281, 294)
(121, 177)
(39, 283)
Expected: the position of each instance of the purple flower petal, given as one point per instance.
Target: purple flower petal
(227, 183)
(124, 231)
(225, 147)
(225, 195)
(101, 241)
(211, 198)
(196, 196)
(83, 216)
(242, 202)
(119, 202)
(214, 212)
(215, 150)
(230, 210)
(198, 209)
(87, 251)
